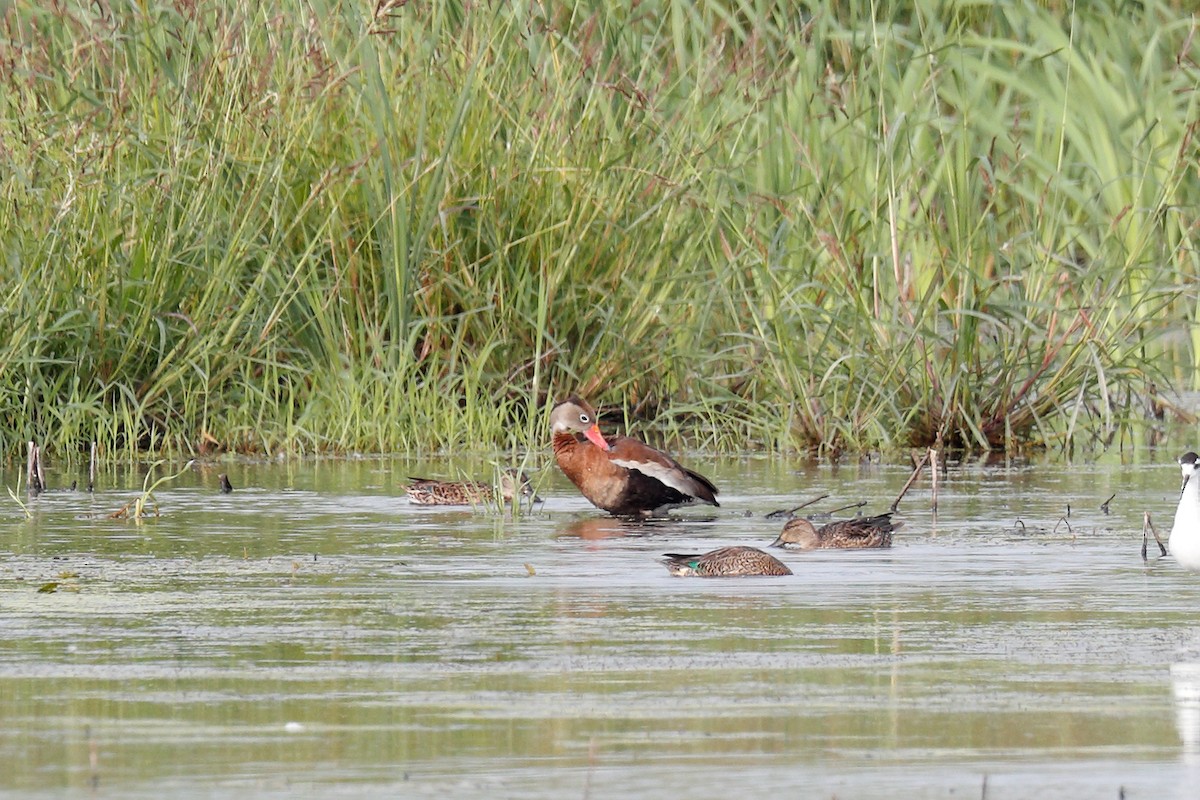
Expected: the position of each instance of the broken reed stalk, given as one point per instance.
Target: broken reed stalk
(34, 479)
(807, 503)
(933, 464)
(791, 512)
(911, 480)
(92, 468)
(1147, 524)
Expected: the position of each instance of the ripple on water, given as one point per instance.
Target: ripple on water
(325, 640)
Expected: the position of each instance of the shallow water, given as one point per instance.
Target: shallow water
(312, 634)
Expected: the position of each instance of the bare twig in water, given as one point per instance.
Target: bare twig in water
(226, 486)
(92, 468)
(933, 470)
(1104, 505)
(822, 515)
(911, 480)
(859, 504)
(1147, 524)
(122, 512)
(34, 481)
(1021, 523)
(1063, 521)
(791, 512)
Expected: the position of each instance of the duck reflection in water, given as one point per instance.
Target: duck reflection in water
(617, 527)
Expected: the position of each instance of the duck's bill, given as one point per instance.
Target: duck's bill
(594, 436)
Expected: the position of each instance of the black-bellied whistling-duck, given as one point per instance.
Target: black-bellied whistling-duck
(468, 493)
(725, 562)
(844, 534)
(620, 474)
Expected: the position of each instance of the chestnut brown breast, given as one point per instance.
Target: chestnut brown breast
(630, 478)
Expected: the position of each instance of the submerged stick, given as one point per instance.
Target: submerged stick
(911, 480)
(1146, 523)
(92, 469)
(933, 467)
(1104, 505)
(829, 514)
(33, 478)
(791, 512)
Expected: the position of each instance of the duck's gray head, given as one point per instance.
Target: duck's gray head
(575, 415)
(514, 482)
(798, 534)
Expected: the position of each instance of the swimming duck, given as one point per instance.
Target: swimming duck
(425, 492)
(725, 562)
(844, 534)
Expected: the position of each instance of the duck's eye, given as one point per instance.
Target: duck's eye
(585, 419)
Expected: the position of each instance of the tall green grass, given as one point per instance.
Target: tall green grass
(334, 226)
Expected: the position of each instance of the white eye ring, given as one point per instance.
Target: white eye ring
(584, 419)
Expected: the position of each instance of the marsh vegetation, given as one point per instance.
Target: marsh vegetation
(331, 226)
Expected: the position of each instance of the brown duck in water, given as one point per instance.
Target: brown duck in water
(424, 492)
(620, 474)
(844, 534)
(725, 562)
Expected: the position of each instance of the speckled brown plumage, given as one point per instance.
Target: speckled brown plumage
(845, 534)
(725, 562)
(425, 492)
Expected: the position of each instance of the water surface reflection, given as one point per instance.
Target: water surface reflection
(311, 633)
